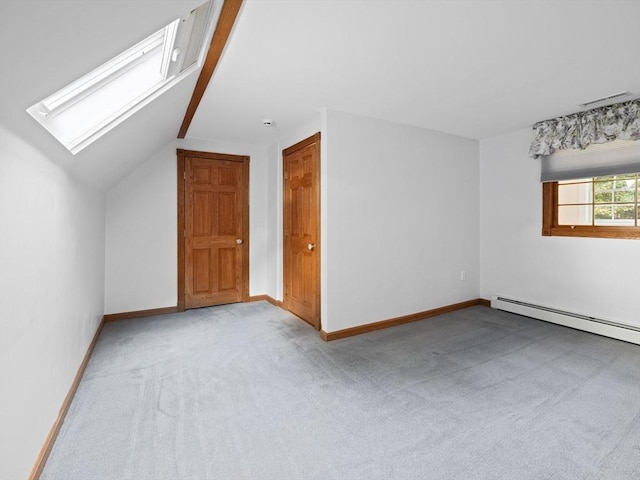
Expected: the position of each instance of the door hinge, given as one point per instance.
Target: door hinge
(286, 175)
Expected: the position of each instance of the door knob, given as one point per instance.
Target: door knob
(239, 241)
(311, 246)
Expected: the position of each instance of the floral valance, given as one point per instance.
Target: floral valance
(600, 125)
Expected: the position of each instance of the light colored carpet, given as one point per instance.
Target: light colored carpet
(248, 391)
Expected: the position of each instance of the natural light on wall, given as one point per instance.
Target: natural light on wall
(86, 109)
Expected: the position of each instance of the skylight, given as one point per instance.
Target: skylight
(86, 109)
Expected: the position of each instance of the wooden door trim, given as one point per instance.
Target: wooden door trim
(181, 228)
(315, 138)
(301, 144)
(182, 154)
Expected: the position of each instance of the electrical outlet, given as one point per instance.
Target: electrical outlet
(463, 275)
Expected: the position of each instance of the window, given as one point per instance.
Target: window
(605, 207)
(86, 109)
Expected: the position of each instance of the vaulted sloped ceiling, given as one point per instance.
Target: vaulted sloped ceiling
(44, 45)
(476, 68)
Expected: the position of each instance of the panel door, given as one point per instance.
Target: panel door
(213, 232)
(302, 230)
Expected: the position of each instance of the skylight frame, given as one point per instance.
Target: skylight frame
(170, 36)
(171, 72)
(89, 83)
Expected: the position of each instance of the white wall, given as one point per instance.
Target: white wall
(400, 219)
(141, 226)
(141, 237)
(51, 294)
(274, 222)
(597, 277)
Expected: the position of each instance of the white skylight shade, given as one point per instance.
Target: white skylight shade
(86, 109)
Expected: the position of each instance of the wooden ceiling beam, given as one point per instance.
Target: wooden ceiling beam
(226, 20)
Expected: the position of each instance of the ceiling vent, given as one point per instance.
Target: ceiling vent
(606, 100)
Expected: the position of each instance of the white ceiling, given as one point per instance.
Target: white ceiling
(473, 68)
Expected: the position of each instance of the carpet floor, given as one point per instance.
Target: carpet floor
(248, 391)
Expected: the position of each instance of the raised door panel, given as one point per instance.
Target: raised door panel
(227, 214)
(227, 268)
(202, 218)
(202, 281)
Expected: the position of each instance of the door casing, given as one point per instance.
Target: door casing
(310, 315)
(181, 164)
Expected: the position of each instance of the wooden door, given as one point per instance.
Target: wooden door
(215, 229)
(302, 229)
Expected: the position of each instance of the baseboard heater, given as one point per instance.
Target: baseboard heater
(620, 331)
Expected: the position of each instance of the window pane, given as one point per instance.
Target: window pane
(626, 182)
(574, 193)
(614, 183)
(605, 196)
(624, 196)
(617, 196)
(603, 212)
(606, 186)
(625, 212)
(614, 215)
(574, 215)
(616, 189)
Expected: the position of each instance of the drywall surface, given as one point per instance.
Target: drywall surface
(141, 238)
(400, 220)
(596, 277)
(273, 286)
(51, 294)
(141, 246)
